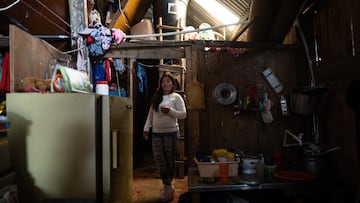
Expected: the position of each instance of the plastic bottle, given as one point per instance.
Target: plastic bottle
(266, 113)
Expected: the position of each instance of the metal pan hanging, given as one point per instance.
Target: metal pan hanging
(225, 93)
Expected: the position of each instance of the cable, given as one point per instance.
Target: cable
(9, 6)
(125, 17)
(42, 15)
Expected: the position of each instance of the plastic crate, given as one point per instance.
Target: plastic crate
(211, 169)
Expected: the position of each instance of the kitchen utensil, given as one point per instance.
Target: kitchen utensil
(225, 93)
(308, 100)
(195, 95)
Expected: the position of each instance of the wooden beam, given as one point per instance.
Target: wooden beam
(147, 53)
(78, 17)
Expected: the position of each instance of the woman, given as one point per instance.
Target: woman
(166, 108)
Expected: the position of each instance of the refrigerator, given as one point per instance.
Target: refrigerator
(71, 147)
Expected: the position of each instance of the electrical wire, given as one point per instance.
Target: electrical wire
(42, 15)
(125, 18)
(9, 6)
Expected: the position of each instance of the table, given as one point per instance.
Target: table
(250, 183)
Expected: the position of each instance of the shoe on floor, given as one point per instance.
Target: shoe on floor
(167, 193)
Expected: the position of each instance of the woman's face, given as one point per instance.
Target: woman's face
(166, 84)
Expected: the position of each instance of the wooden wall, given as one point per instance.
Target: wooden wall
(218, 127)
(36, 57)
(337, 28)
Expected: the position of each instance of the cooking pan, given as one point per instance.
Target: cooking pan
(308, 100)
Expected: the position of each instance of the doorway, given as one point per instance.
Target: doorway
(146, 179)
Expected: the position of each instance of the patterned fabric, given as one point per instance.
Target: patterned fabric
(164, 149)
(99, 40)
(141, 73)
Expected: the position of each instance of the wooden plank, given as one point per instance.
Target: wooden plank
(147, 53)
(193, 127)
(4, 42)
(330, 72)
(78, 17)
(30, 57)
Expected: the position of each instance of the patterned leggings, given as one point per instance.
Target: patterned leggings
(164, 149)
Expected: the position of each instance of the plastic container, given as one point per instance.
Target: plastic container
(211, 169)
(102, 87)
(273, 80)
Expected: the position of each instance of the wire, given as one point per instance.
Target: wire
(124, 18)
(42, 15)
(9, 6)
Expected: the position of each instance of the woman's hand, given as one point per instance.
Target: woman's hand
(146, 135)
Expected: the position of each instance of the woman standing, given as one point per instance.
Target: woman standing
(166, 108)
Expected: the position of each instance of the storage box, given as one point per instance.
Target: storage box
(211, 169)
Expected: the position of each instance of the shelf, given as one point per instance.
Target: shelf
(5, 130)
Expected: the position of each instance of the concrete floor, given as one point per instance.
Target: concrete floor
(147, 184)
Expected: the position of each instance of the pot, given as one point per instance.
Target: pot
(316, 164)
(308, 100)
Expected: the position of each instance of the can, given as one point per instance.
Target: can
(102, 87)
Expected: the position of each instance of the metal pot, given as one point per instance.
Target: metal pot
(316, 164)
(308, 100)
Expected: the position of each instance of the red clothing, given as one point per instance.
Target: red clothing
(5, 79)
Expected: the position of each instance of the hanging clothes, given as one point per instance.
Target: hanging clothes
(119, 65)
(142, 76)
(107, 69)
(5, 77)
(98, 73)
(81, 57)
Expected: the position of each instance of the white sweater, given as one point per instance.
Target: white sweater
(166, 123)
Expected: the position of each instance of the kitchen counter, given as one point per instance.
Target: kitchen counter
(249, 183)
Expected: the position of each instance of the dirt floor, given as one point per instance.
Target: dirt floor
(147, 184)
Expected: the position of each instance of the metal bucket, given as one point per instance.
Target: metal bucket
(308, 100)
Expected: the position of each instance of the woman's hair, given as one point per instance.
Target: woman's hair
(158, 95)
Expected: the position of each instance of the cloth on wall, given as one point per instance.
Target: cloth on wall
(98, 73)
(108, 69)
(5, 76)
(119, 66)
(81, 57)
(99, 38)
(142, 76)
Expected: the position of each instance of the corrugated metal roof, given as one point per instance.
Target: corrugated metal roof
(197, 15)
